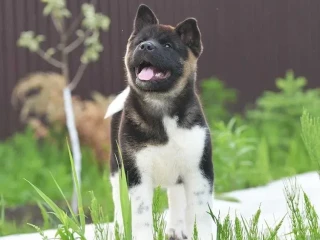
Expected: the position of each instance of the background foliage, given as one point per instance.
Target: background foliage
(250, 149)
(266, 139)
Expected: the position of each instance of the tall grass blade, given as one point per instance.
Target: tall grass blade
(64, 197)
(45, 215)
(78, 191)
(61, 215)
(125, 200)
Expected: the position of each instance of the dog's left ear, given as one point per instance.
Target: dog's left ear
(190, 35)
(144, 17)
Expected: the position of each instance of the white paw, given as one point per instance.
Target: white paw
(207, 233)
(176, 231)
(142, 234)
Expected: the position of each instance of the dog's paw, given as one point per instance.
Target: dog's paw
(176, 234)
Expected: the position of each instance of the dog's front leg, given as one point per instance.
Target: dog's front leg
(199, 199)
(141, 203)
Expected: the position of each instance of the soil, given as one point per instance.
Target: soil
(32, 214)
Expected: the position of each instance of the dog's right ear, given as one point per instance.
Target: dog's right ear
(144, 17)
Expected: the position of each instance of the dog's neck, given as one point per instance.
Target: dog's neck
(161, 104)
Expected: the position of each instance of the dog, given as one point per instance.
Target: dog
(159, 132)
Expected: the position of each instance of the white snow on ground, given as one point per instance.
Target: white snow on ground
(270, 198)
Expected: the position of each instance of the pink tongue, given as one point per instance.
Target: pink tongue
(146, 74)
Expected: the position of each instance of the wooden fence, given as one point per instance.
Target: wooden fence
(247, 44)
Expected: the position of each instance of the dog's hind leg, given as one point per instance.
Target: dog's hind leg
(177, 207)
(116, 200)
(115, 165)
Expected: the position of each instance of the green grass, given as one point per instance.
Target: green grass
(304, 218)
(311, 135)
(23, 157)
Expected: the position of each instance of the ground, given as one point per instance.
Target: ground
(270, 198)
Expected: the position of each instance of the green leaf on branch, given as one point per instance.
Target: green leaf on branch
(93, 47)
(290, 84)
(92, 20)
(80, 33)
(50, 52)
(30, 41)
(56, 8)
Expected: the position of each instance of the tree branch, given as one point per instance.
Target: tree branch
(73, 84)
(49, 59)
(72, 46)
(74, 25)
(76, 43)
(56, 24)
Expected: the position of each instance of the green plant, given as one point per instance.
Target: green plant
(22, 156)
(311, 135)
(216, 99)
(267, 141)
(71, 226)
(276, 119)
(158, 218)
(233, 156)
(286, 105)
(304, 218)
(98, 217)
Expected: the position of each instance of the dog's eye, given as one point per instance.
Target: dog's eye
(167, 45)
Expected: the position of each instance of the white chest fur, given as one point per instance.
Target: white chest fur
(180, 155)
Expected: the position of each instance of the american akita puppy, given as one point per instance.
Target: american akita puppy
(161, 129)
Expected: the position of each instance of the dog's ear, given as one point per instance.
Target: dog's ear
(144, 17)
(190, 35)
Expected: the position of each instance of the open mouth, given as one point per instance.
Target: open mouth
(147, 72)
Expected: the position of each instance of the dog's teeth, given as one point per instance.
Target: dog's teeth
(159, 75)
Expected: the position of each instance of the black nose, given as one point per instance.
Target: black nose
(148, 46)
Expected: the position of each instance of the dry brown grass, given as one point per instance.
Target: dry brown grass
(40, 98)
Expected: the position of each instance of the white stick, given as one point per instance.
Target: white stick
(75, 145)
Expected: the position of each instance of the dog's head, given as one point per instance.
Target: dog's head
(161, 58)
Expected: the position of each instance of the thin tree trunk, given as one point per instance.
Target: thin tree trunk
(73, 133)
(75, 145)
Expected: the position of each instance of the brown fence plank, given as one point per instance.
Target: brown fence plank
(3, 103)
(246, 43)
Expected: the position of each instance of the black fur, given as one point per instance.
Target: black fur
(140, 123)
(144, 17)
(190, 35)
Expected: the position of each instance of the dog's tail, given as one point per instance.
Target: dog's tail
(117, 104)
